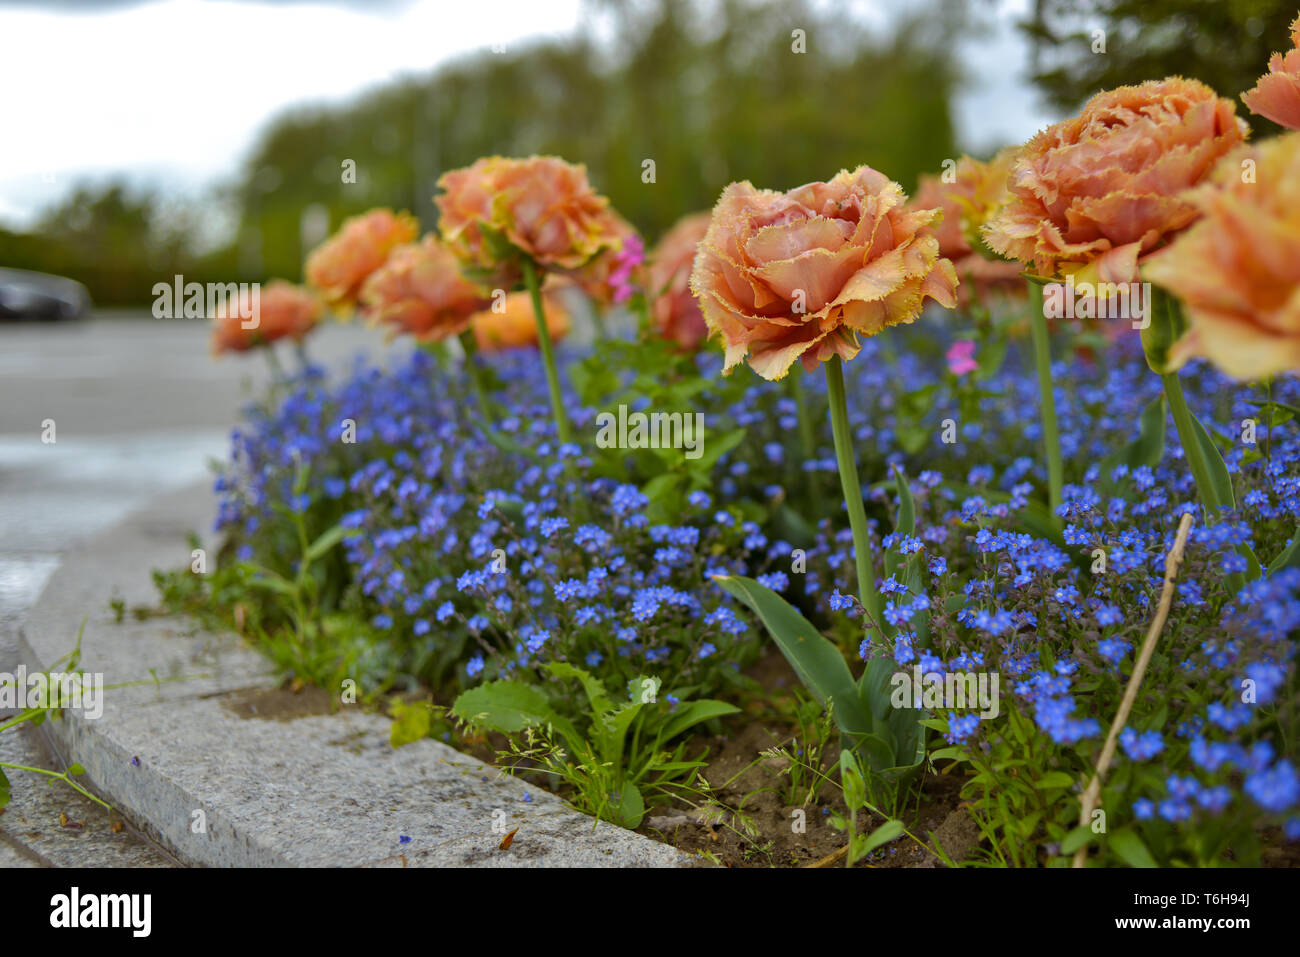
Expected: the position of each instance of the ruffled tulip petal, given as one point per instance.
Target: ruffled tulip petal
(786, 277)
(676, 313)
(280, 310)
(338, 267)
(772, 358)
(1112, 176)
(420, 291)
(1276, 97)
(941, 284)
(499, 210)
(817, 274)
(1237, 269)
(787, 240)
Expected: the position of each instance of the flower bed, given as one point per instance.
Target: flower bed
(1053, 602)
(599, 577)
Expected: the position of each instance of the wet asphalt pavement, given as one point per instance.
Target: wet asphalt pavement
(138, 407)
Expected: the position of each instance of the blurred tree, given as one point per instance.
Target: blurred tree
(779, 92)
(707, 93)
(1224, 43)
(110, 237)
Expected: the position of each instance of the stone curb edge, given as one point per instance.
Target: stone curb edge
(322, 790)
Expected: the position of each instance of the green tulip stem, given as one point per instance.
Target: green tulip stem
(277, 371)
(852, 490)
(1192, 447)
(548, 352)
(807, 440)
(470, 347)
(1051, 432)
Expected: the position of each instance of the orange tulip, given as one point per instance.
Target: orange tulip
(420, 291)
(515, 326)
(675, 311)
(278, 310)
(1277, 94)
(542, 207)
(978, 191)
(1237, 270)
(800, 275)
(1099, 191)
(340, 265)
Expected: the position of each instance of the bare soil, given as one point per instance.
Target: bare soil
(757, 827)
(280, 704)
(752, 822)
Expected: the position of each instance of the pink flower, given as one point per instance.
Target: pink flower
(626, 260)
(612, 274)
(961, 357)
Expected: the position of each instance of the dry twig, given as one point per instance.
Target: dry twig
(1172, 563)
(829, 859)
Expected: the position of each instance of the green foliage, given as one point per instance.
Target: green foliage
(614, 754)
(1149, 446)
(652, 374)
(1219, 476)
(1165, 326)
(1025, 797)
(1023, 801)
(36, 716)
(914, 406)
(414, 721)
(281, 612)
(1277, 414)
(509, 707)
(856, 794)
(707, 100)
(802, 759)
(890, 741)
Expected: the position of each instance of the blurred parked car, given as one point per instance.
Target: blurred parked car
(36, 295)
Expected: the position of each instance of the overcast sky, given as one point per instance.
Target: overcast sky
(173, 92)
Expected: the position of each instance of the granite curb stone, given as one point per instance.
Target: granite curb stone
(320, 790)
